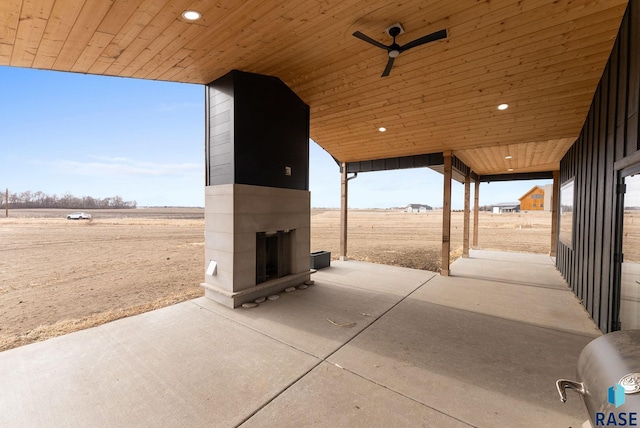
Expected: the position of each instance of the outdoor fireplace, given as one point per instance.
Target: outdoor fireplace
(257, 200)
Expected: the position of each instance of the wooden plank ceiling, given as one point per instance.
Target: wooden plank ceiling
(542, 57)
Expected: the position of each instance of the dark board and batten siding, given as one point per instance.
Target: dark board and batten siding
(609, 135)
(404, 162)
(256, 130)
(220, 143)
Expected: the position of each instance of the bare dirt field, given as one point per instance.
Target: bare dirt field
(58, 275)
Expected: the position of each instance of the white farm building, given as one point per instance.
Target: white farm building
(417, 208)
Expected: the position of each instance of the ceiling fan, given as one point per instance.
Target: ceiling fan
(394, 49)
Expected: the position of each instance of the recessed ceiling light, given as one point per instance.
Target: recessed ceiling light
(382, 129)
(503, 106)
(508, 157)
(191, 15)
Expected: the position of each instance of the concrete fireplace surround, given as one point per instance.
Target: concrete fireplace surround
(234, 214)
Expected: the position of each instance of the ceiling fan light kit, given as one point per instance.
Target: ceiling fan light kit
(394, 49)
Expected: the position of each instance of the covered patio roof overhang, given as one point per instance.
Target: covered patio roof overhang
(543, 58)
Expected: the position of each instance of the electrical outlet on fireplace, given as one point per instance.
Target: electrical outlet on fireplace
(287, 170)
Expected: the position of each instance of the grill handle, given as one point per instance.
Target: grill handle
(563, 384)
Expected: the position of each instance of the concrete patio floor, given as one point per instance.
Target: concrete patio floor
(367, 345)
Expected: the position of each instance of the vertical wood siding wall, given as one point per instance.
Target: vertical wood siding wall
(529, 202)
(609, 134)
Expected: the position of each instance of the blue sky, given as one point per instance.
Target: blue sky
(144, 141)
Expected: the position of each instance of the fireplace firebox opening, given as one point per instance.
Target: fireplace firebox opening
(273, 255)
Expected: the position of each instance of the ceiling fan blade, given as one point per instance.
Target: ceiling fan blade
(368, 39)
(442, 34)
(387, 69)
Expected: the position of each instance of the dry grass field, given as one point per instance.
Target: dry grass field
(631, 236)
(58, 275)
(414, 239)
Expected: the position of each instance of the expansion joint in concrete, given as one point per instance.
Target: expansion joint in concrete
(326, 359)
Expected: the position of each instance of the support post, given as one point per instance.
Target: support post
(555, 200)
(6, 203)
(467, 215)
(344, 200)
(476, 213)
(446, 214)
